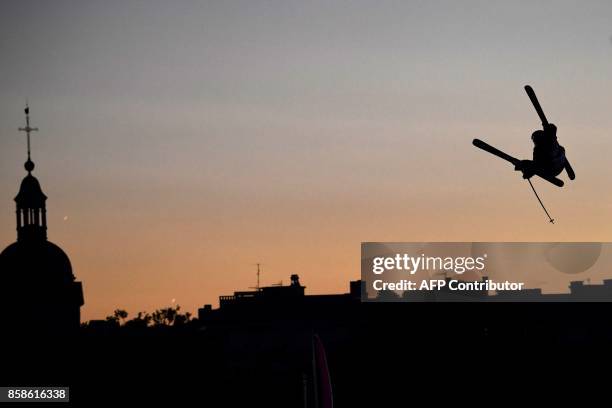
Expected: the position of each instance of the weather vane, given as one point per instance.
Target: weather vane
(28, 129)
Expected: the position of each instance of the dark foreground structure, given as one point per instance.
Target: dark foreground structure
(256, 349)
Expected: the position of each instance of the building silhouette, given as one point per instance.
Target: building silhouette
(280, 302)
(37, 280)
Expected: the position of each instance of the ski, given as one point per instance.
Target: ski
(536, 104)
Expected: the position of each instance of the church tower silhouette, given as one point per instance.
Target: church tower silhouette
(38, 291)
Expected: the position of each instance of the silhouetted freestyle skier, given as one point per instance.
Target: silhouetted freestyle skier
(549, 158)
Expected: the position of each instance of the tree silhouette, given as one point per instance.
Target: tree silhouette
(118, 316)
(165, 317)
(142, 319)
(169, 316)
(181, 319)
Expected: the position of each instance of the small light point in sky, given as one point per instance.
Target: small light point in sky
(65, 218)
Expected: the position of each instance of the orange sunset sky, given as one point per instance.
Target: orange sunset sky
(182, 142)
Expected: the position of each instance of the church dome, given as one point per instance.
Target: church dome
(38, 261)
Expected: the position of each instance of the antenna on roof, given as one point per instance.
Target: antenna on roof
(258, 273)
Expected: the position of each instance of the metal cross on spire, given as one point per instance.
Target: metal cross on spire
(27, 127)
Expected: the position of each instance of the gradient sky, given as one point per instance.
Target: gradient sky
(182, 142)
